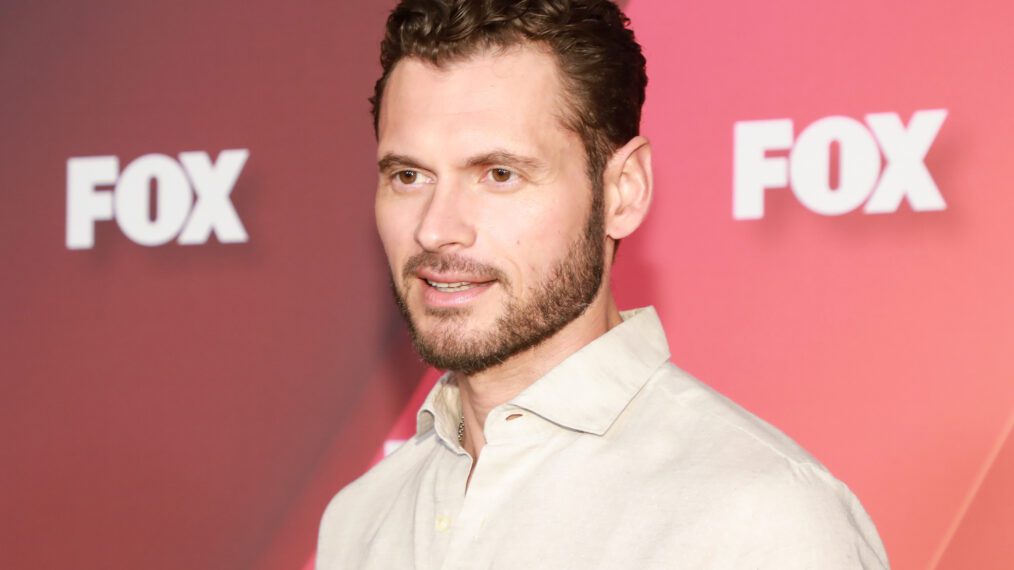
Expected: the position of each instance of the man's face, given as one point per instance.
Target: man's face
(484, 206)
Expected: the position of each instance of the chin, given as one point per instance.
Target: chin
(457, 323)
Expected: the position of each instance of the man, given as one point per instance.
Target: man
(561, 437)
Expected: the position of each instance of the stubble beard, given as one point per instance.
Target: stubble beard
(523, 323)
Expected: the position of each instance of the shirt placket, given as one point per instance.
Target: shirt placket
(488, 489)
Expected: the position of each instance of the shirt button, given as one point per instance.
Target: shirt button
(443, 523)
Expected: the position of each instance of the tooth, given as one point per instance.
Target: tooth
(451, 287)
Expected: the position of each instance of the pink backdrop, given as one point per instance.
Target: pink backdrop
(195, 406)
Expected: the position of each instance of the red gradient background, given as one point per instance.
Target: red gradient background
(196, 406)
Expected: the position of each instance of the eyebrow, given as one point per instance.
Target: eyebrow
(507, 158)
(390, 160)
(498, 156)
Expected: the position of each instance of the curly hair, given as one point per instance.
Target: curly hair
(601, 64)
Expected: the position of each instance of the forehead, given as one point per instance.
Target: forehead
(511, 98)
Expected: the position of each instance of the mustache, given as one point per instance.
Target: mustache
(452, 262)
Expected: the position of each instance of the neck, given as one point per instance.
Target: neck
(485, 390)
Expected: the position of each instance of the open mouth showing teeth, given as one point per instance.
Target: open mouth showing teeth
(452, 287)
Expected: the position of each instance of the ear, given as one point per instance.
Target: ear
(628, 187)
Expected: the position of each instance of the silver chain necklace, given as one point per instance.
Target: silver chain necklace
(461, 430)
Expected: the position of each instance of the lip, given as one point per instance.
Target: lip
(451, 277)
(435, 298)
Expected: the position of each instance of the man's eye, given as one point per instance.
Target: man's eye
(501, 175)
(407, 176)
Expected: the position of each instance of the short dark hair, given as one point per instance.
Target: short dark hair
(601, 64)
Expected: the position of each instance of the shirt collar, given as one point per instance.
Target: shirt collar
(585, 392)
(441, 411)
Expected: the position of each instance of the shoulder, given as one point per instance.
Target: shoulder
(382, 480)
(674, 402)
(353, 514)
(799, 516)
(773, 500)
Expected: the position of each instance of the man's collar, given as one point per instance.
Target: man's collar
(585, 392)
(588, 390)
(441, 411)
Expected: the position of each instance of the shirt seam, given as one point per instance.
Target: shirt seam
(809, 461)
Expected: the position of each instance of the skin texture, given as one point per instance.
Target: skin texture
(524, 322)
(480, 182)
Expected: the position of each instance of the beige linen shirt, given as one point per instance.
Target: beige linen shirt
(619, 460)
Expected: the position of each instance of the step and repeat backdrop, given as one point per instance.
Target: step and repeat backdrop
(199, 346)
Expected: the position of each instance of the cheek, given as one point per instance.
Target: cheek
(533, 237)
(395, 232)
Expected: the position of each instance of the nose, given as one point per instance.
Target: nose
(445, 224)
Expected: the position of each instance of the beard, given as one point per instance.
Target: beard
(524, 323)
